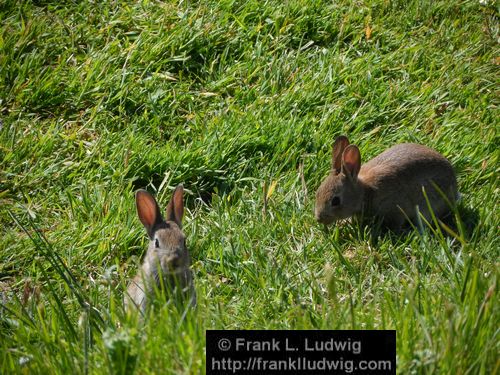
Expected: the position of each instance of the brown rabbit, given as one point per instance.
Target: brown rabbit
(167, 261)
(388, 187)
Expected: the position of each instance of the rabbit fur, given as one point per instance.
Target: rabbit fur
(167, 261)
(388, 187)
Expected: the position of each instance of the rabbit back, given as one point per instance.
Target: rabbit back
(394, 182)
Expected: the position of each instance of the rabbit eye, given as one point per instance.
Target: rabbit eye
(157, 243)
(335, 201)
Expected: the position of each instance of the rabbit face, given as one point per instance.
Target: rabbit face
(340, 195)
(168, 247)
(337, 198)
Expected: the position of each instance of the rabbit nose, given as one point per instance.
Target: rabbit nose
(323, 218)
(174, 260)
(320, 216)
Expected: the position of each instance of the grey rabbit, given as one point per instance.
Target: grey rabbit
(167, 260)
(388, 187)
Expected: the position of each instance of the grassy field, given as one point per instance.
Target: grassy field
(240, 101)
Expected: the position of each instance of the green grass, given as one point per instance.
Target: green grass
(98, 100)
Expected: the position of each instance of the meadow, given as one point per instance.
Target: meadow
(240, 101)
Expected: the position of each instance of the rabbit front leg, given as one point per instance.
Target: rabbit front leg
(394, 221)
(136, 295)
(190, 289)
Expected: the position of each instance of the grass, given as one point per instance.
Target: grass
(100, 99)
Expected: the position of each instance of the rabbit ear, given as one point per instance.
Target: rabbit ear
(175, 208)
(351, 161)
(148, 211)
(338, 148)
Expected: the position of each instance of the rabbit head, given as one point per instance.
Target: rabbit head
(340, 195)
(167, 246)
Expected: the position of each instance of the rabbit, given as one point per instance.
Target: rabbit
(167, 260)
(388, 187)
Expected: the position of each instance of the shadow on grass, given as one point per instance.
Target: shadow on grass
(462, 224)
